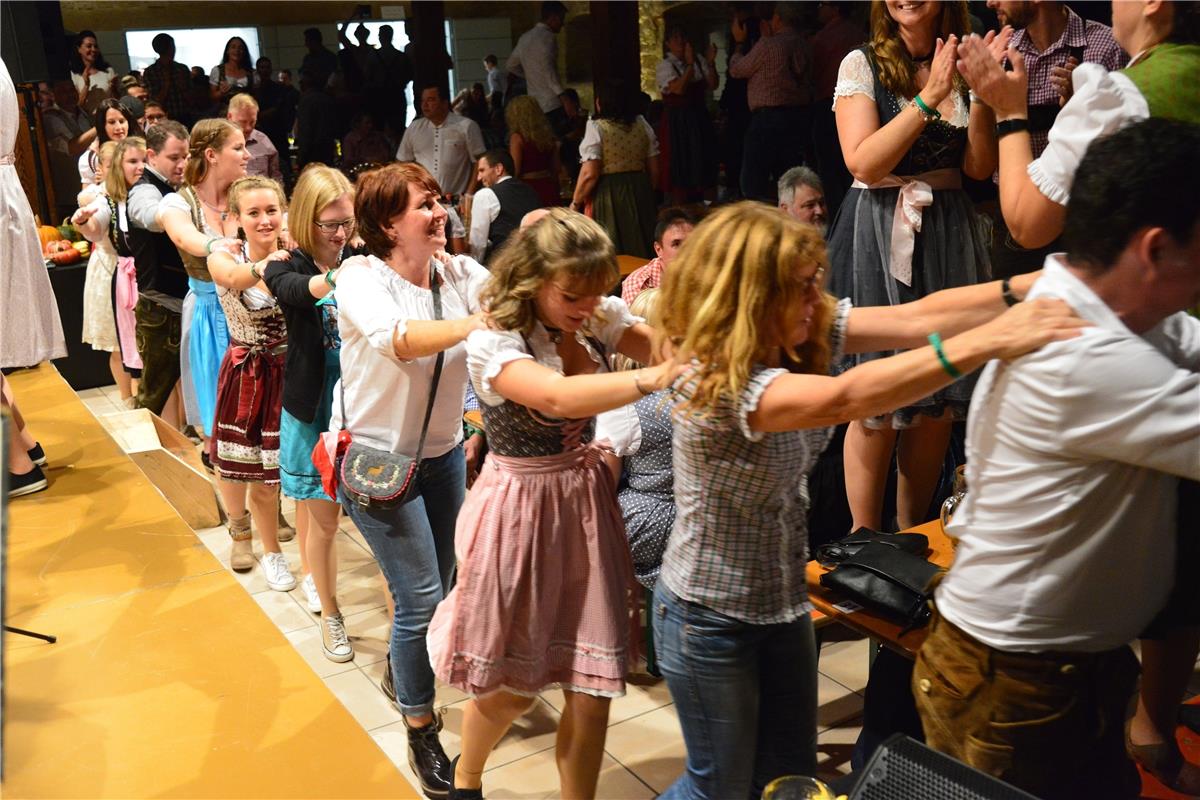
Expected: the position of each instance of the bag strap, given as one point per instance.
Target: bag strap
(435, 288)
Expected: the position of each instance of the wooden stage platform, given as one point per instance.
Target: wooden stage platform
(167, 679)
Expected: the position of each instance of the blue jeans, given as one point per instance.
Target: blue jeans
(414, 545)
(746, 696)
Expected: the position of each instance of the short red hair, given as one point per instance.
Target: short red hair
(382, 195)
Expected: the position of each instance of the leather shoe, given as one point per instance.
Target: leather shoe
(428, 760)
(462, 794)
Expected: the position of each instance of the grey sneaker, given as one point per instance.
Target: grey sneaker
(334, 640)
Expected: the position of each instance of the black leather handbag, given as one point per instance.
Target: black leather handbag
(834, 553)
(893, 583)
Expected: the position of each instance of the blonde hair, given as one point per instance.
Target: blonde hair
(318, 186)
(735, 293)
(208, 133)
(114, 179)
(897, 70)
(105, 151)
(561, 244)
(242, 101)
(645, 305)
(525, 116)
(249, 184)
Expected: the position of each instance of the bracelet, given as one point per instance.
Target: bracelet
(926, 112)
(637, 382)
(935, 340)
(208, 245)
(1006, 126)
(254, 271)
(1006, 292)
(329, 279)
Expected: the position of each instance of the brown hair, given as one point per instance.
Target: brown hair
(735, 292)
(208, 133)
(562, 243)
(382, 195)
(897, 70)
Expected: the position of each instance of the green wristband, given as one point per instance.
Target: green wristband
(208, 245)
(935, 340)
(926, 111)
(329, 279)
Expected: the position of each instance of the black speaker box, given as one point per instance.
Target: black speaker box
(904, 769)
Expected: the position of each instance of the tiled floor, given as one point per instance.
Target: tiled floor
(644, 749)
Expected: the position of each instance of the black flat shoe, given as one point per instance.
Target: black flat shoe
(462, 794)
(30, 482)
(428, 760)
(37, 455)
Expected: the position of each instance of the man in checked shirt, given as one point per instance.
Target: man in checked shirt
(1053, 40)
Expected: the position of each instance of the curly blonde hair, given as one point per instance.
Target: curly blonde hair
(645, 305)
(525, 116)
(735, 293)
(897, 70)
(563, 244)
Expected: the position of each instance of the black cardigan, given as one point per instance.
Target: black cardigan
(304, 370)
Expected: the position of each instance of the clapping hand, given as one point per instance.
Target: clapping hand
(941, 72)
(1004, 91)
(997, 43)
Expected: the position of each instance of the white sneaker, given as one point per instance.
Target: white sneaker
(311, 598)
(334, 640)
(278, 573)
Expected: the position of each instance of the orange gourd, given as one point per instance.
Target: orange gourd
(48, 233)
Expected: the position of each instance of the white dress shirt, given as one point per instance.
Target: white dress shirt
(484, 210)
(448, 151)
(1068, 528)
(386, 396)
(535, 58)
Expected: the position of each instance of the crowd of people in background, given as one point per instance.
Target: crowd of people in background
(281, 269)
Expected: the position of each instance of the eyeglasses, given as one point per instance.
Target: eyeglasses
(331, 228)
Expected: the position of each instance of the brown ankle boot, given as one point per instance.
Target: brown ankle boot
(241, 558)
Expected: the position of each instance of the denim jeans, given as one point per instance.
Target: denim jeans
(414, 545)
(746, 696)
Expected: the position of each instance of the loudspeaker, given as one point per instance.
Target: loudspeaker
(904, 769)
(32, 41)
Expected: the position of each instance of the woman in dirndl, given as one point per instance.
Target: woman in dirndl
(244, 446)
(686, 134)
(544, 576)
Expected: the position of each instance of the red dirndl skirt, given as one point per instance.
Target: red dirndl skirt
(245, 441)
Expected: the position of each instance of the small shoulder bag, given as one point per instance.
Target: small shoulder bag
(374, 478)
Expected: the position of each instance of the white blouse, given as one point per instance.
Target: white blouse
(1102, 103)
(590, 148)
(386, 396)
(488, 351)
(855, 77)
(98, 84)
(87, 173)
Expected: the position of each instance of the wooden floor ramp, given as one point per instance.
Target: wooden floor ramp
(169, 459)
(167, 679)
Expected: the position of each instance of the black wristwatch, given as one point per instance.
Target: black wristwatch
(1005, 127)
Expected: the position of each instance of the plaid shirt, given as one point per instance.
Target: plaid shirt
(641, 279)
(740, 541)
(170, 86)
(1097, 44)
(778, 70)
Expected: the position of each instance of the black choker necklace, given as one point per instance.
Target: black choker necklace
(555, 334)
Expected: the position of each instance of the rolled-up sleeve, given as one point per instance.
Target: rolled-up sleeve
(366, 306)
(142, 207)
(1102, 103)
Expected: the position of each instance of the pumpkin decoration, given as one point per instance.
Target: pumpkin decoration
(48, 233)
(62, 252)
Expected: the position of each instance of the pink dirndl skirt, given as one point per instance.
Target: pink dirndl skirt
(544, 581)
(126, 300)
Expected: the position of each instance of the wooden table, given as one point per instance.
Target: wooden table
(629, 263)
(941, 552)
